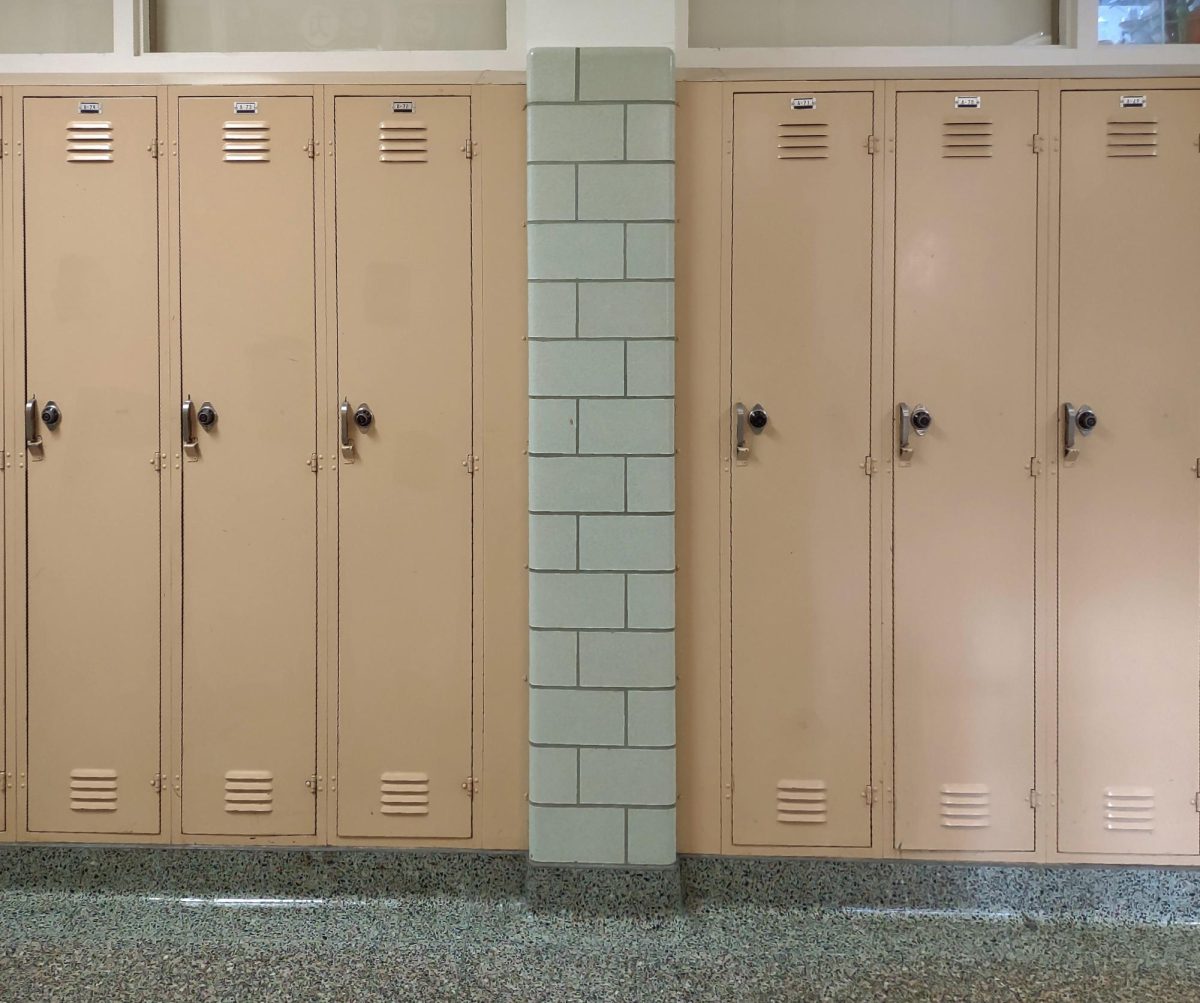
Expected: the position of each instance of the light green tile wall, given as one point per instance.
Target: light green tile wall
(602, 456)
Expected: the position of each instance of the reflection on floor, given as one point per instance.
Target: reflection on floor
(66, 946)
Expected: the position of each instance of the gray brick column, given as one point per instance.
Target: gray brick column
(601, 456)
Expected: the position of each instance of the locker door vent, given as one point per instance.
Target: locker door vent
(93, 790)
(967, 139)
(803, 141)
(966, 806)
(249, 791)
(403, 144)
(1129, 809)
(802, 801)
(404, 793)
(89, 142)
(247, 142)
(1130, 138)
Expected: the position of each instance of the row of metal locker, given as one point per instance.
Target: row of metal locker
(963, 462)
(220, 499)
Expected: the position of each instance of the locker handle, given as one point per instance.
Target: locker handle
(187, 433)
(33, 441)
(917, 419)
(344, 440)
(1082, 418)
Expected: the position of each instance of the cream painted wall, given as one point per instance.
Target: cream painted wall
(599, 22)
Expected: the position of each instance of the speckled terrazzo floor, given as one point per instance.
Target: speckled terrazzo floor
(66, 946)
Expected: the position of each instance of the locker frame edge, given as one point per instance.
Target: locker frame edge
(1049, 92)
(7, 309)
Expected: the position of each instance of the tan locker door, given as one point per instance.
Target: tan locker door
(91, 342)
(1128, 599)
(404, 351)
(965, 343)
(246, 205)
(801, 522)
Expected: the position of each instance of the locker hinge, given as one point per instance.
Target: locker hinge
(8, 781)
(1035, 467)
(870, 794)
(314, 463)
(471, 786)
(872, 145)
(1195, 798)
(152, 149)
(156, 782)
(312, 148)
(469, 148)
(869, 466)
(1039, 144)
(313, 783)
(471, 464)
(1196, 466)
(157, 461)
(1035, 798)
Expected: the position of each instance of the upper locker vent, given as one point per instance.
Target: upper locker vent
(967, 139)
(247, 142)
(89, 142)
(803, 141)
(403, 143)
(1133, 137)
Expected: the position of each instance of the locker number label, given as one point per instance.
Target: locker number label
(245, 107)
(1133, 100)
(804, 104)
(968, 101)
(89, 107)
(402, 106)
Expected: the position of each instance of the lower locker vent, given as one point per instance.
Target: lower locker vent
(403, 144)
(249, 791)
(966, 806)
(803, 141)
(966, 139)
(802, 801)
(93, 790)
(404, 793)
(1129, 809)
(247, 142)
(1130, 138)
(89, 142)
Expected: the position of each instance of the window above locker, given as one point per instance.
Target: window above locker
(325, 25)
(1148, 22)
(36, 26)
(802, 23)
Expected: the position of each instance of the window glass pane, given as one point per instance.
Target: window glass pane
(1149, 22)
(717, 23)
(56, 26)
(300, 25)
